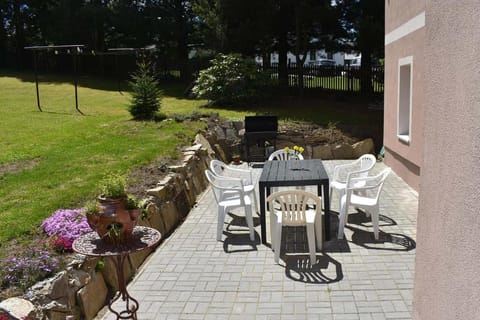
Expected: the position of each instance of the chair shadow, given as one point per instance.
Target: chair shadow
(360, 218)
(294, 252)
(386, 241)
(298, 268)
(334, 244)
(238, 236)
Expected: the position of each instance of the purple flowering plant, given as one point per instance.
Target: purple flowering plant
(64, 226)
(29, 267)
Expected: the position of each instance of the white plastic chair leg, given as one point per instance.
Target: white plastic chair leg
(375, 219)
(319, 232)
(220, 222)
(273, 225)
(342, 220)
(311, 243)
(277, 242)
(255, 199)
(249, 218)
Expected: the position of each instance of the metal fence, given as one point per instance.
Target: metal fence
(332, 78)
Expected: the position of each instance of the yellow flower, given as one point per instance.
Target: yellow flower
(287, 149)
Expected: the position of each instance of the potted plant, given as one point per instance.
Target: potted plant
(236, 159)
(114, 215)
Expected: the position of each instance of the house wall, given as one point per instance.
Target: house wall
(447, 271)
(404, 37)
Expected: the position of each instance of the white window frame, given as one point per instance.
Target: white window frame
(404, 102)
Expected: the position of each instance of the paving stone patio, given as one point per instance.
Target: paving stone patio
(193, 276)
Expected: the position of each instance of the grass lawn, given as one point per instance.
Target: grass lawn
(54, 159)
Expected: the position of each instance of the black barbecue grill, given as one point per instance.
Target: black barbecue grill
(260, 136)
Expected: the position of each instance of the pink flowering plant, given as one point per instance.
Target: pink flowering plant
(64, 226)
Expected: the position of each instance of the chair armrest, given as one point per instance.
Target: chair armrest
(247, 173)
(352, 174)
(340, 167)
(364, 180)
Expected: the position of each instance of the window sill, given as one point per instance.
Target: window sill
(404, 138)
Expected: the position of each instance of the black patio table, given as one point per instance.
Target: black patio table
(292, 173)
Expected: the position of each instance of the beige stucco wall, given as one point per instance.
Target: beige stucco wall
(398, 12)
(404, 158)
(447, 274)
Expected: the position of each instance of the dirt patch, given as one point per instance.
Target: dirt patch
(17, 166)
(147, 177)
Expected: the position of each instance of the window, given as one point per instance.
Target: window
(404, 124)
(313, 55)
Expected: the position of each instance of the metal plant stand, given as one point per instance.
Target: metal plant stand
(91, 244)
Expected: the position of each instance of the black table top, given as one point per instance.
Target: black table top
(293, 172)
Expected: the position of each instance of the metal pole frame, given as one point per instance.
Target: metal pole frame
(76, 49)
(36, 79)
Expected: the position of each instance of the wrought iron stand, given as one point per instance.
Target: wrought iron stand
(91, 244)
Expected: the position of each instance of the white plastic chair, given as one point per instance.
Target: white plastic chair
(295, 208)
(221, 169)
(356, 169)
(282, 154)
(364, 197)
(229, 195)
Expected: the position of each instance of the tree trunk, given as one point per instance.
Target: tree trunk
(19, 33)
(300, 72)
(3, 44)
(182, 41)
(366, 85)
(282, 46)
(282, 61)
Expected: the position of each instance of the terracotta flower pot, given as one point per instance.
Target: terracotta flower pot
(114, 223)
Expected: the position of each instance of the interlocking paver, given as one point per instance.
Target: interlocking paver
(192, 276)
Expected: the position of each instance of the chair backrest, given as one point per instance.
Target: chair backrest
(282, 154)
(372, 186)
(218, 167)
(293, 204)
(366, 162)
(225, 187)
(224, 170)
(358, 168)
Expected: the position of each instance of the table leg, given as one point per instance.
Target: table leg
(326, 204)
(131, 305)
(263, 228)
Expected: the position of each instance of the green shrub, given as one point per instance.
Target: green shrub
(146, 94)
(231, 79)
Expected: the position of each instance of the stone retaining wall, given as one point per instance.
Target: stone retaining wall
(226, 139)
(81, 291)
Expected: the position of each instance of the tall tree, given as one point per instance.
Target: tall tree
(3, 33)
(176, 31)
(311, 28)
(210, 27)
(364, 20)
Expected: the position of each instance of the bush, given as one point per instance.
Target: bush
(146, 94)
(231, 79)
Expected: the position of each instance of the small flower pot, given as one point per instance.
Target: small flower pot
(113, 222)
